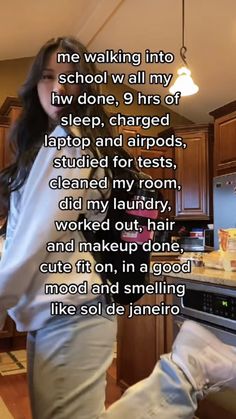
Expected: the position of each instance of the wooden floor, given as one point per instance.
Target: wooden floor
(14, 393)
(14, 398)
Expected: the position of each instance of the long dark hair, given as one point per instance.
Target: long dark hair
(27, 134)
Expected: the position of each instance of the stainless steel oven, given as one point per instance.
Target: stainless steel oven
(215, 308)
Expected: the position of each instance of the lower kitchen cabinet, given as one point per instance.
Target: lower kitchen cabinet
(8, 328)
(141, 341)
(3, 129)
(10, 339)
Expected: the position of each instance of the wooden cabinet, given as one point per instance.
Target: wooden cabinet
(194, 169)
(161, 173)
(144, 338)
(10, 339)
(155, 173)
(225, 139)
(128, 132)
(9, 112)
(3, 130)
(140, 343)
(8, 328)
(194, 172)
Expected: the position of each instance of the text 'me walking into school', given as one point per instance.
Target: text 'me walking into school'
(68, 356)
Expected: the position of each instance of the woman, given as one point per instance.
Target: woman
(68, 355)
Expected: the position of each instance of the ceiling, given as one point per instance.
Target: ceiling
(137, 25)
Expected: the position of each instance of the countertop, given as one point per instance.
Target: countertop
(208, 275)
(213, 276)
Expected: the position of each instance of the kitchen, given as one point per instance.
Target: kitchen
(192, 208)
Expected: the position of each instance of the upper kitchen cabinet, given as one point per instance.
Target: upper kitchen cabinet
(128, 132)
(225, 139)
(4, 124)
(155, 152)
(194, 172)
(9, 112)
(161, 173)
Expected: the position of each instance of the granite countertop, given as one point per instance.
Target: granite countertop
(208, 275)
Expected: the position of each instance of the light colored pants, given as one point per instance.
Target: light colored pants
(67, 364)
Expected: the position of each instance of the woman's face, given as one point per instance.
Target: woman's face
(49, 83)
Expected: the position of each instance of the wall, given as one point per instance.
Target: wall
(134, 109)
(12, 75)
(14, 72)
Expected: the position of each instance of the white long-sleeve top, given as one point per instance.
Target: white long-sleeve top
(33, 211)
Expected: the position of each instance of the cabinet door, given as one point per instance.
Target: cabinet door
(155, 173)
(9, 151)
(140, 342)
(2, 147)
(193, 201)
(161, 173)
(128, 132)
(8, 328)
(225, 144)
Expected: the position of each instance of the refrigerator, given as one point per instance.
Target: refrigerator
(224, 203)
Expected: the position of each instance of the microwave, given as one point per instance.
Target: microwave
(192, 244)
(198, 244)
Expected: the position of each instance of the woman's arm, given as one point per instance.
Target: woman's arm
(35, 226)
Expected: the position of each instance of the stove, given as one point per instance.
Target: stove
(214, 307)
